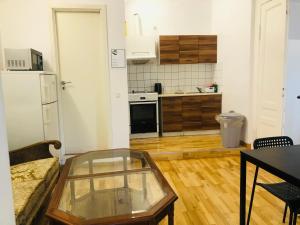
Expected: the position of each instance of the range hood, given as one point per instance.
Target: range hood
(139, 48)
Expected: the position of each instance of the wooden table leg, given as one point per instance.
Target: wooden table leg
(171, 215)
(243, 175)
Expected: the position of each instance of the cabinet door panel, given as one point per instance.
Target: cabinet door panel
(169, 49)
(172, 127)
(188, 45)
(188, 40)
(172, 114)
(192, 126)
(191, 113)
(188, 57)
(207, 49)
(211, 106)
(210, 125)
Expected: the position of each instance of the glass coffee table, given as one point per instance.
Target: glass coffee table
(111, 187)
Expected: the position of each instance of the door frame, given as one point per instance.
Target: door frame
(102, 10)
(255, 66)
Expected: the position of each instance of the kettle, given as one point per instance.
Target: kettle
(158, 88)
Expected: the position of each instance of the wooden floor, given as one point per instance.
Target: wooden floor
(208, 188)
(208, 191)
(184, 147)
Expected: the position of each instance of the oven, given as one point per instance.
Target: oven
(143, 115)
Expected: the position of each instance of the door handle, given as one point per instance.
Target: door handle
(63, 83)
(298, 97)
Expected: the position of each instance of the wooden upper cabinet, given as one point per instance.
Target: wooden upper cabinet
(188, 49)
(208, 46)
(169, 49)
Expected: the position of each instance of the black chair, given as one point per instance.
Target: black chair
(286, 192)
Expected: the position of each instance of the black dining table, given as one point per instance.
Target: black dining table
(283, 162)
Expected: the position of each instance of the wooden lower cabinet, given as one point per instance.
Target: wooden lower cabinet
(172, 114)
(190, 113)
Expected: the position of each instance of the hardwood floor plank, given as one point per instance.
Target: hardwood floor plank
(208, 191)
(184, 147)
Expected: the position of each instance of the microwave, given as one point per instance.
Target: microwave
(23, 59)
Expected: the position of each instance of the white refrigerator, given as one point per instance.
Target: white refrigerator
(31, 107)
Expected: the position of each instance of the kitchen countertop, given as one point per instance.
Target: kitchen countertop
(186, 94)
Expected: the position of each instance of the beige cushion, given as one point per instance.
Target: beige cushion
(30, 181)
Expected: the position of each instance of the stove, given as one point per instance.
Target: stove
(144, 120)
(143, 96)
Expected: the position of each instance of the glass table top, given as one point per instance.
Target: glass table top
(108, 196)
(107, 161)
(110, 183)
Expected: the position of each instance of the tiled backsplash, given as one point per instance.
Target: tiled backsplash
(172, 77)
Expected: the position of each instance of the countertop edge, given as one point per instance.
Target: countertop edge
(187, 94)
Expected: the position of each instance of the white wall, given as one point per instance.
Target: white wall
(231, 20)
(170, 16)
(28, 24)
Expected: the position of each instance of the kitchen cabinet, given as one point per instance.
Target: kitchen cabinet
(188, 49)
(190, 113)
(169, 49)
(172, 114)
(207, 49)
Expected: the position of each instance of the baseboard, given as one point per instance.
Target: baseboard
(248, 146)
(190, 133)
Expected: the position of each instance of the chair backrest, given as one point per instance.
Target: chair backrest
(272, 142)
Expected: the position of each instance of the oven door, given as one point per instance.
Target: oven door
(143, 117)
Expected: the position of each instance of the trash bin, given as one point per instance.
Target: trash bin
(231, 128)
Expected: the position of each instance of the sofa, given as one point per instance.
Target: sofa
(34, 173)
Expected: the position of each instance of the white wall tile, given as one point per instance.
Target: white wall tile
(160, 76)
(147, 76)
(208, 67)
(175, 68)
(188, 67)
(182, 68)
(168, 76)
(195, 68)
(147, 68)
(202, 67)
(153, 68)
(132, 68)
(173, 77)
(140, 69)
(161, 68)
(140, 76)
(168, 68)
(195, 75)
(153, 76)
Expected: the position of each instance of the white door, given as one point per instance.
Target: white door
(82, 51)
(292, 85)
(271, 16)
